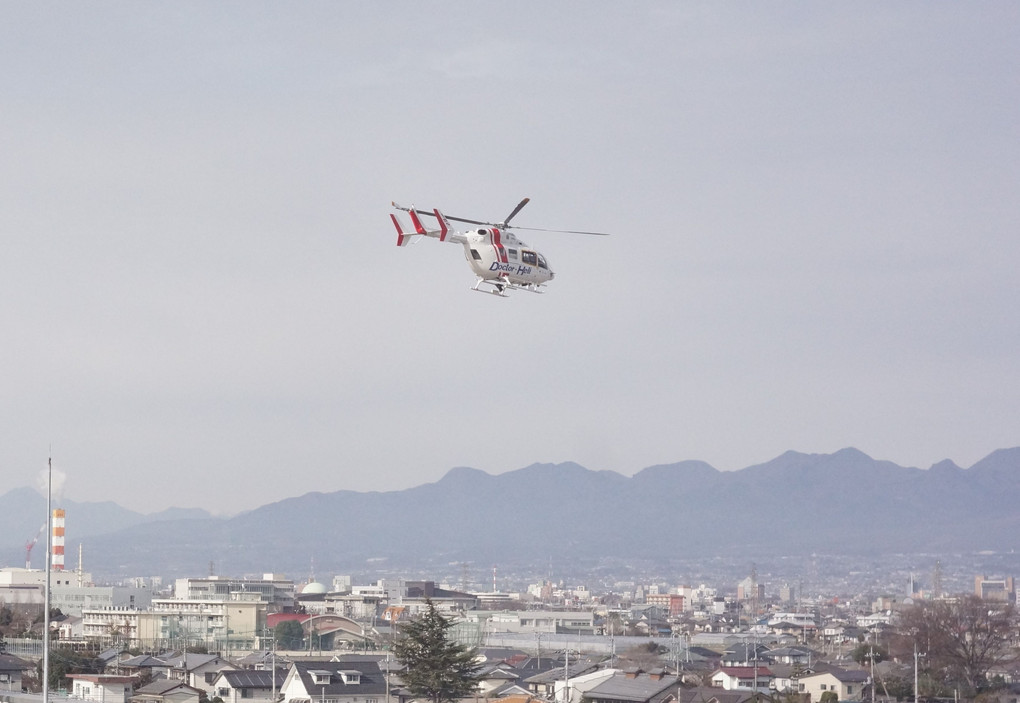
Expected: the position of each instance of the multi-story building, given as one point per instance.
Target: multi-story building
(221, 625)
(671, 603)
(73, 600)
(1000, 589)
(27, 586)
(224, 626)
(273, 589)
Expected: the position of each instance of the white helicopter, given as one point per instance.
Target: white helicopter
(497, 257)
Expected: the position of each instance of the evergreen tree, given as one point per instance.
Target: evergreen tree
(290, 634)
(435, 667)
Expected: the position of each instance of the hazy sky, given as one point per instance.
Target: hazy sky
(814, 209)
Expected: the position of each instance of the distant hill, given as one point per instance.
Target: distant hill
(795, 504)
(23, 515)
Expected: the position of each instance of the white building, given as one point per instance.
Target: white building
(225, 626)
(74, 599)
(101, 688)
(530, 621)
(848, 685)
(271, 588)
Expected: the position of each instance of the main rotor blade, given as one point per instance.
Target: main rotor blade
(563, 231)
(462, 219)
(500, 225)
(516, 210)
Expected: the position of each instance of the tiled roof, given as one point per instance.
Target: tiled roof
(247, 678)
(640, 687)
(370, 678)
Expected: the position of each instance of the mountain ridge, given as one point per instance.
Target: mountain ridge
(791, 504)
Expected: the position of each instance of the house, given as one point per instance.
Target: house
(166, 691)
(795, 656)
(101, 688)
(142, 665)
(578, 686)
(197, 670)
(635, 686)
(237, 685)
(11, 669)
(334, 682)
(543, 684)
(493, 678)
(848, 685)
(730, 678)
(70, 628)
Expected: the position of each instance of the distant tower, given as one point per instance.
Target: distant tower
(754, 591)
(57, 558)
(936, 581)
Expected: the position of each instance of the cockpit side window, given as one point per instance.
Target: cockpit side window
(512, 253)
(475, 255)
(541, 262)
(529, 257)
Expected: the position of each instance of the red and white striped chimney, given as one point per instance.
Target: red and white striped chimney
(57, 559)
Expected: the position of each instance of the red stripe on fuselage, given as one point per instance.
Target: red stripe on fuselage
(494, 236)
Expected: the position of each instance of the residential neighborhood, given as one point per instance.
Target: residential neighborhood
(219, 639)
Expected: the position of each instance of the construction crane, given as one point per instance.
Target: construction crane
(30, 544)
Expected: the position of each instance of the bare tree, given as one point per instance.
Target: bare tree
(963, 638)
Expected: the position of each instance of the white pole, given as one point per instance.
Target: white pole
(46, 597)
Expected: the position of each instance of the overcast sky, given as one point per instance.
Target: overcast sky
(814, 213)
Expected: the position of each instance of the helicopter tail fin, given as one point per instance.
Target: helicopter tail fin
(403, 238)
(418, 227)
(444, 226)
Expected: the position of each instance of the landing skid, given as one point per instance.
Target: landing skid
(503, 287)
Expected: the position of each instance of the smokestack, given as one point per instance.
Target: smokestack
(57, 559)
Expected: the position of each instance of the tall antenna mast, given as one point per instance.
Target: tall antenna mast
(46, 599)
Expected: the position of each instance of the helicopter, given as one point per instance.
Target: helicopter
(501, 261)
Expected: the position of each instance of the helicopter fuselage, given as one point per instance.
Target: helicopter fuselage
(494, 254)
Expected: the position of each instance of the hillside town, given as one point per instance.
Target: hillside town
(222, 639)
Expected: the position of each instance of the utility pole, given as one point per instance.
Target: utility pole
(916, 655)
(566, 675)
(273, 667)
(872, 657)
